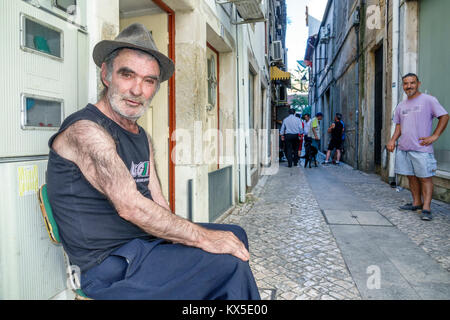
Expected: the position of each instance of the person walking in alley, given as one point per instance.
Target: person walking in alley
(314, 130)
(290, 132)
(300, 144)
(114, 221)
(306, 126)
(336, 130)
(343, 141)
(414, 157)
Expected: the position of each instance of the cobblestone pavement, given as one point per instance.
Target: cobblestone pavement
(293, 252)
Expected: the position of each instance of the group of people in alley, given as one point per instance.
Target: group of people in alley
(118, 227)
(301, 134)
(414, 157)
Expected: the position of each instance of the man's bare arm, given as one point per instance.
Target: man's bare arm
(93, 150)
(442, 124)
(154, 184)
(397, 133)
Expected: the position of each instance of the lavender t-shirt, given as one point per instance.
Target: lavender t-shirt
(415, 117)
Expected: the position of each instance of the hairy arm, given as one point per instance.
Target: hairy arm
(331, 127)
(397, 133)
(93, 150)
(442, 124)
(154, 184)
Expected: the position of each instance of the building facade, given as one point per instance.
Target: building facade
(210, 123)
(361, 51)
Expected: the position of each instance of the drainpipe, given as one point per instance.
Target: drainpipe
(395, 70)
(357, 89)
(239, 141)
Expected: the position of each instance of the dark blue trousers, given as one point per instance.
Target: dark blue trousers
(161, 270)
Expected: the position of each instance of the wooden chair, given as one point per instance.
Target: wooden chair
(53, 233)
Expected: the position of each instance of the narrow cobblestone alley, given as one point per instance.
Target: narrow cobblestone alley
(299, 253)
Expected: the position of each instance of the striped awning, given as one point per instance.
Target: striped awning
(277, 74)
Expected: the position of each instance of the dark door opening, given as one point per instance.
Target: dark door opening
(378, 125)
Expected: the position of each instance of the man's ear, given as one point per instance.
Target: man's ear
(103, 77)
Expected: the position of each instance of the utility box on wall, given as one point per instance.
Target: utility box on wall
(31, 267)
(39, 55)
(44, 59)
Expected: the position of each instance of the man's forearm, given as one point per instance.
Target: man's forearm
(397, 133)
(161, 201)
(442, 124)
(315, 134)
(160, 222)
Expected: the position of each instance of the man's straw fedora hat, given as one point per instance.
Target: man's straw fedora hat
(135, 36)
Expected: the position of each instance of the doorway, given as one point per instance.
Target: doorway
(159, 122)
(378, 107)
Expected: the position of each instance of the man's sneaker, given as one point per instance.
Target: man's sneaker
(326, 162)
(426, 215)
(409, 206)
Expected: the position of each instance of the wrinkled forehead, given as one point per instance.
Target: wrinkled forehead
(137, 60)
(410, 79)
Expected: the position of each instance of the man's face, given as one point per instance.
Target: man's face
(134, 82)
(410, 86)
(319, 118)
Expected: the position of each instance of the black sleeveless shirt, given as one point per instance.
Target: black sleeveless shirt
(89, 226)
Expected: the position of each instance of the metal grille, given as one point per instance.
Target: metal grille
(220, 191)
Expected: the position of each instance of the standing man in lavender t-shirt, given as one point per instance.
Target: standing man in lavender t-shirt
(414, 158)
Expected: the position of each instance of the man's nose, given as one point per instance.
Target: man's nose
(136, 89)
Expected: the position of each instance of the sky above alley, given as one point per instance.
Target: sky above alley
(297, 31)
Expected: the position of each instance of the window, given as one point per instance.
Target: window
(69, 6)
(41, 112)
(251, 93)
(212, 82)
(39, 37)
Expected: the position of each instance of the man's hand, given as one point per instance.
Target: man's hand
(282, 137)
(390, 146)
(397, 133)
(223, 242)
(426, 141)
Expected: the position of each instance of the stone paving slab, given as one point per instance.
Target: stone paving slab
(432, 236)
(295, 254)
(339, 217)
(368, 218)
(405, 271)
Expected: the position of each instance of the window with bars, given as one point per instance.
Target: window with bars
(212, 82)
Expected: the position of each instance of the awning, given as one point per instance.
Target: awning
(249, 10)
(277, 74)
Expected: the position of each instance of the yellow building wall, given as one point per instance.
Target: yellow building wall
(156, 120)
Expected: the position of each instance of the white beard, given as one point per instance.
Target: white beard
(115, 99)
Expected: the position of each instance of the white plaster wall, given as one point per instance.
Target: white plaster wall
(102, 23)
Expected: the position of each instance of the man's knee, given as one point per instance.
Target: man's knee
(426, 181)
(239, 232)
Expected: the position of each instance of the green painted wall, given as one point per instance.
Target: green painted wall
(434, 64)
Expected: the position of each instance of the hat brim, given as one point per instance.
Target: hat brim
(105, 47)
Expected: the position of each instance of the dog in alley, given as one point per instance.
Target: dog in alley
(310, 153)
